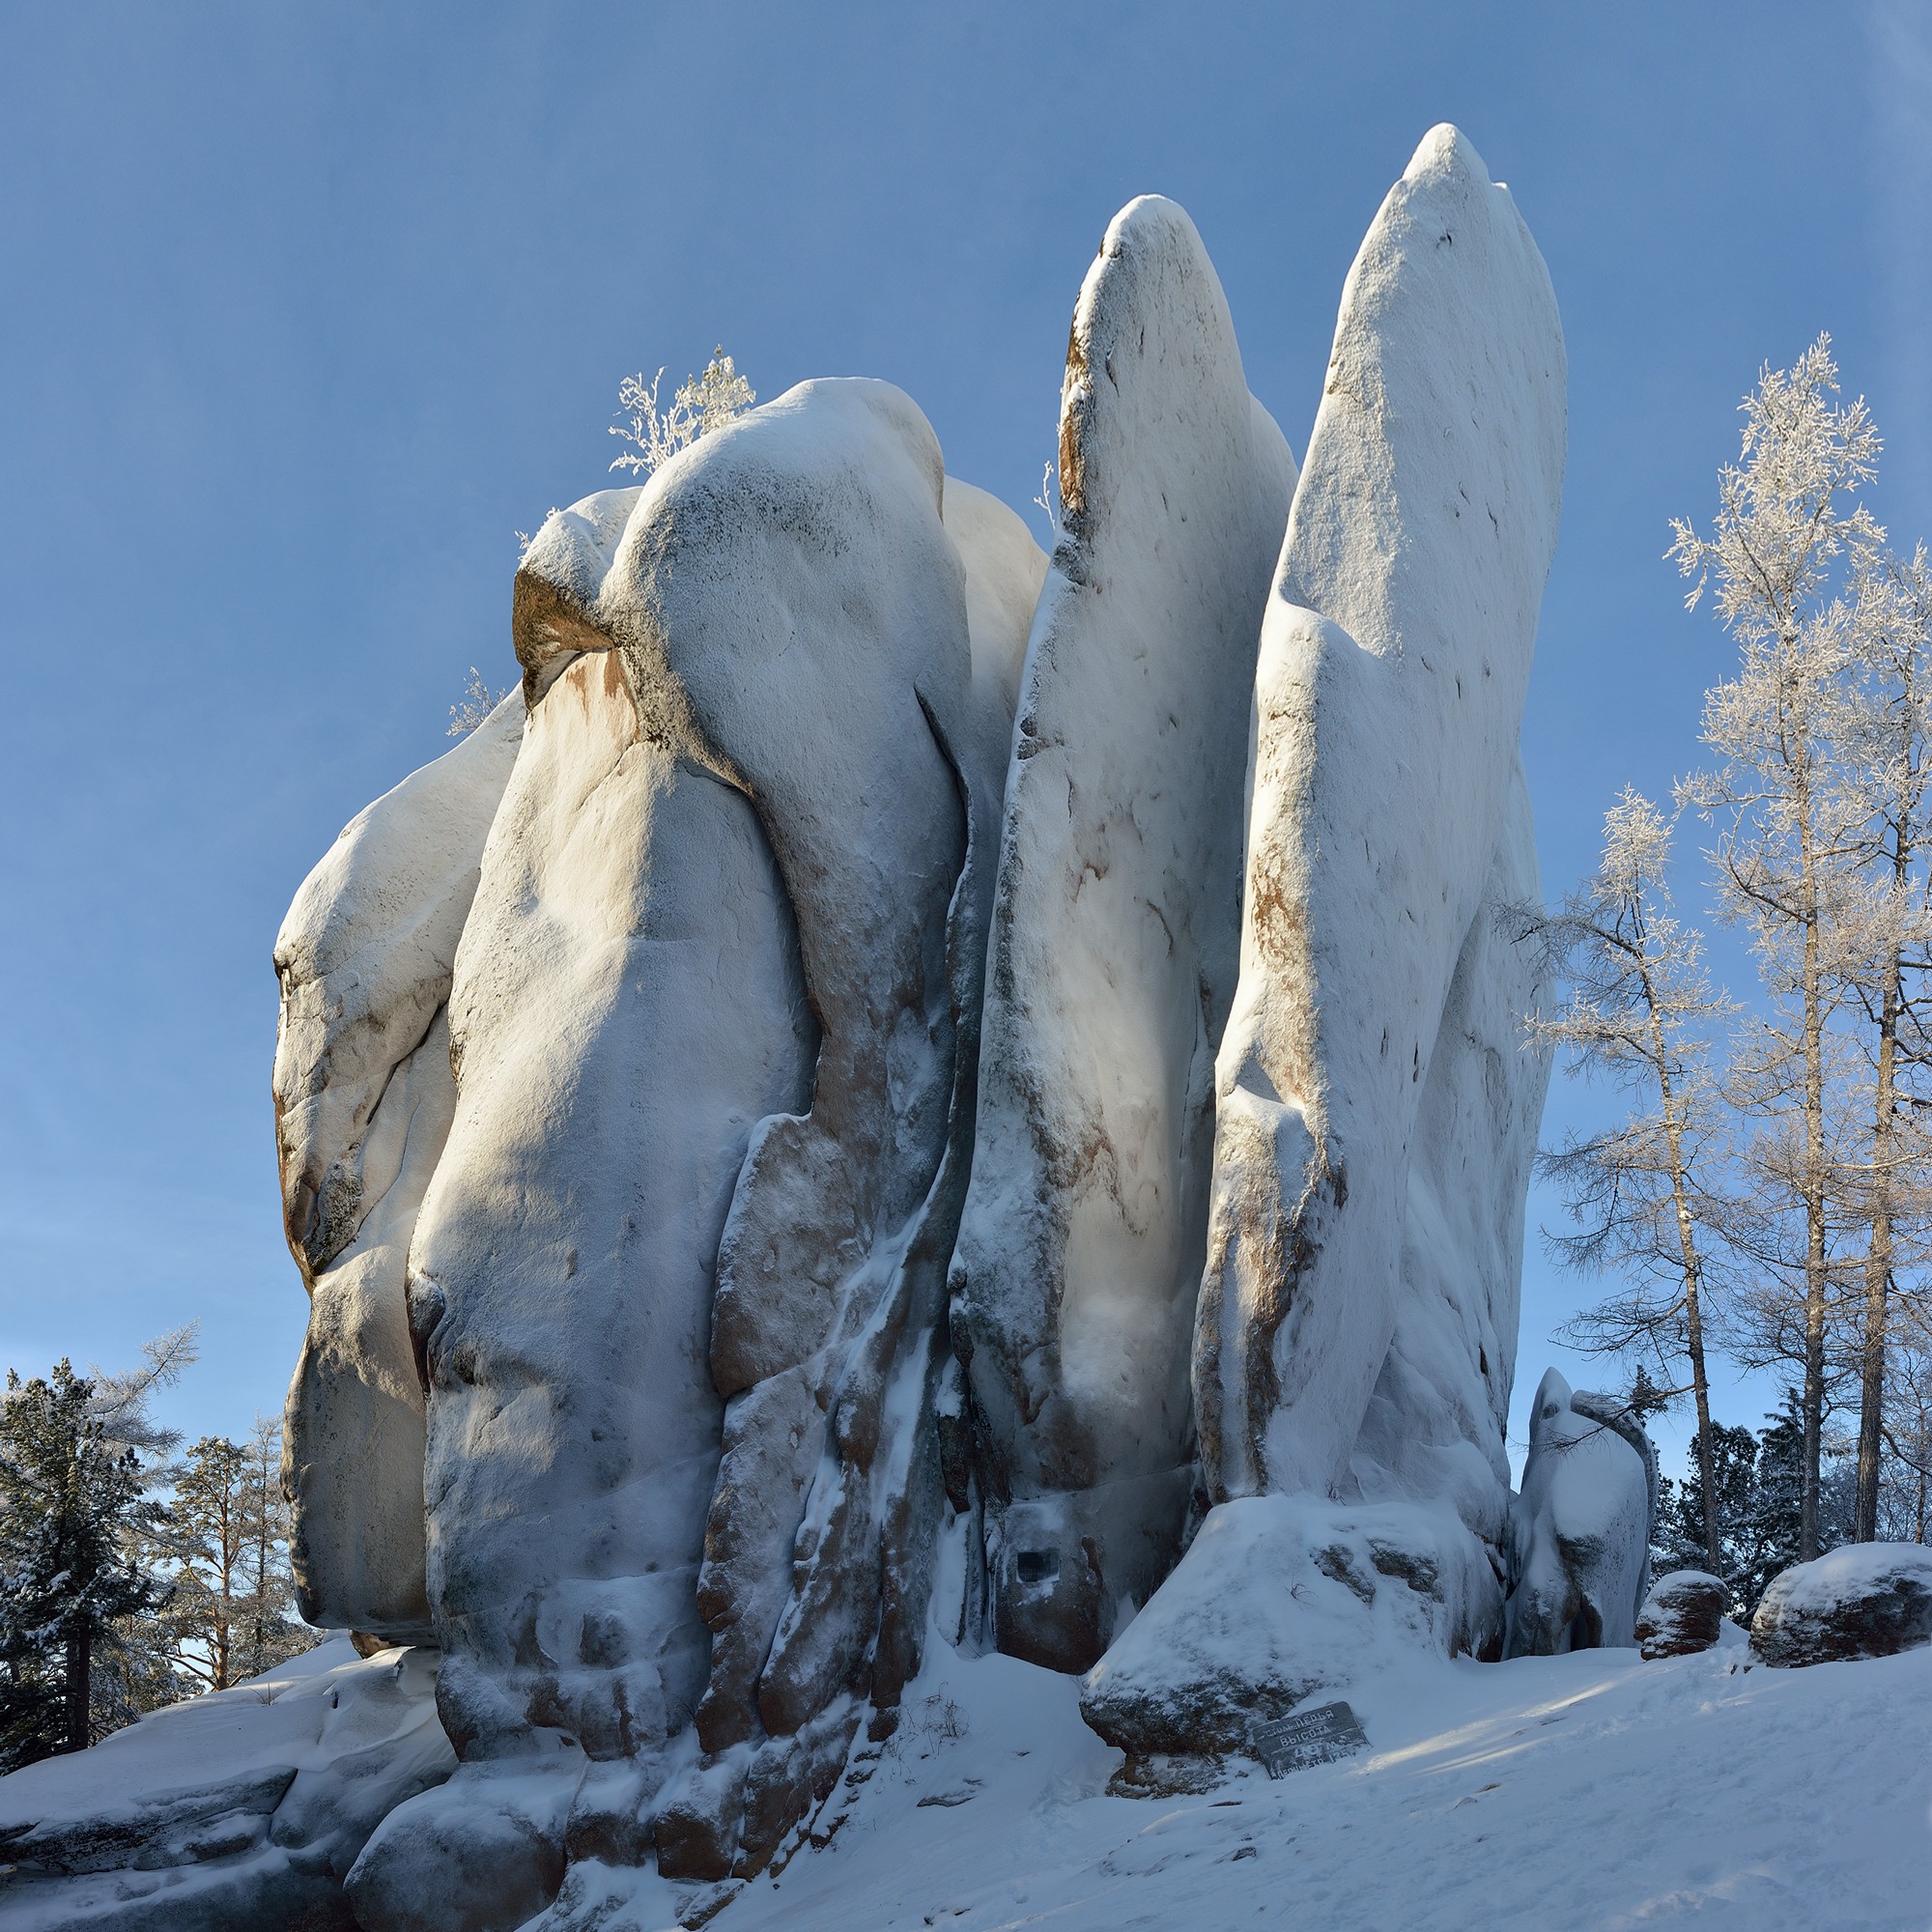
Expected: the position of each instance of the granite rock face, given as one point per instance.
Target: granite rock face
(1394, 659)
(1865, 1599)
(363, 1098)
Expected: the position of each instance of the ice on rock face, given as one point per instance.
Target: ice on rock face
(1581, 1561)
(1114, 946)
(363, 1096)
(1394, 660)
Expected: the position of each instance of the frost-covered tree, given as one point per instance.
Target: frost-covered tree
(267, 1631)
(1889, 948)
(479, 698)
(208, 1535)
(69, 1498)
(704, 403)
(1640, 1016)
(1788, 538)
(134, 1669)
(232, 1615)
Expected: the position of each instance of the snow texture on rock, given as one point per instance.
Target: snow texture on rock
(1394, 659)
(1276, 1598)
(1437, 1423)
(243, 1808)
(1865, 1599)
(363, 1096)
(1580, 1535)
(1683, 1612)
(1114, 946)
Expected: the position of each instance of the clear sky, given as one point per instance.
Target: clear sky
(306, 309)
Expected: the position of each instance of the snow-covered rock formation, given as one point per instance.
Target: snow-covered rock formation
(1114, 947)
(1375, 1115)
(243, 1808)
(1683, 1613)
(1580, 1559)
(704, 1318)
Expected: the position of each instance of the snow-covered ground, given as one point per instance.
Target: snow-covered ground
(1588, 1791)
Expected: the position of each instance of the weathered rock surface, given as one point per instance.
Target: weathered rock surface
(1394, 659)
(363, 1098)
(1114, 946)
(1682, 1614)
(1580, 1556)
(628, 1005)
(1865, 1599)
(242, 1809)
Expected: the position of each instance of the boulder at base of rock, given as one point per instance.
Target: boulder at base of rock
(1685, 1611)
(1278, 1598)
(1866, 1600)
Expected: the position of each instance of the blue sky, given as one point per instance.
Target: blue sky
(307, 309)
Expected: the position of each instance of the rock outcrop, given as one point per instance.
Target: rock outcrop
(1394, 660)
(1114, 947)
(1865, 1599)
(895, 1087)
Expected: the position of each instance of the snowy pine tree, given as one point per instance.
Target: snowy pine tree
(68, 1495)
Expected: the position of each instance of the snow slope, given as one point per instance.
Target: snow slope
(1591, 1792)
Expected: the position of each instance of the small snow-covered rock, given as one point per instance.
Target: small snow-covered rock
(1683, 1613)
(1865, 1599)
(1115, 945)
(1580, 1536)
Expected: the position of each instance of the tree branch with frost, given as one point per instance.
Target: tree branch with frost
(704, 403)
(479, 698)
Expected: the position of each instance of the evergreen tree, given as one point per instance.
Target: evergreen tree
(68, 1495)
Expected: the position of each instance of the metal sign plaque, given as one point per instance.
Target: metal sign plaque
(1309, 1737)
